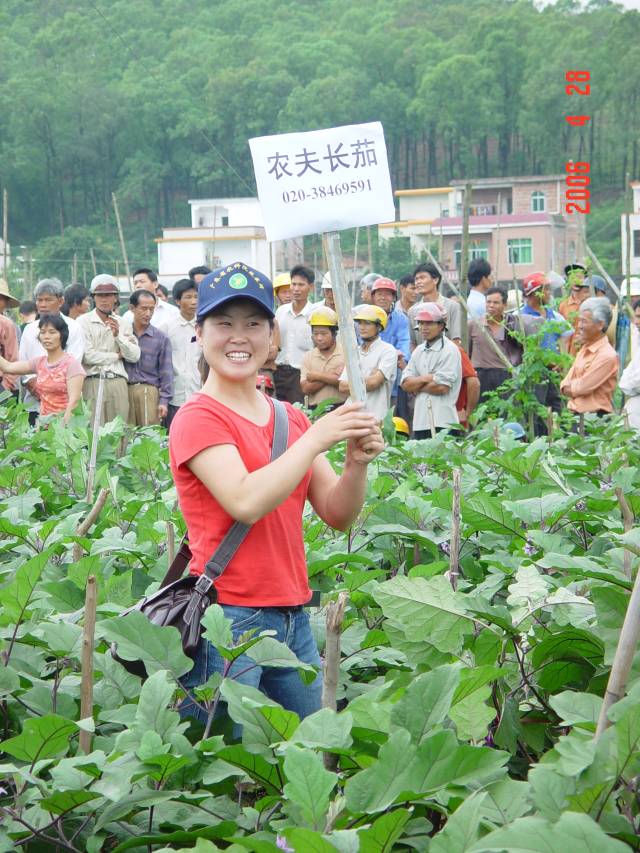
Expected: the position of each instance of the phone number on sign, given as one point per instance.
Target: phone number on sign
(324, 192)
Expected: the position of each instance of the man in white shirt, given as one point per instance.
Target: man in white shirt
(49, 299)
(378, 360)
(295, 336)
(185, 352)
(480, 280)
(109, 343)
(434, 374)
(146, 279)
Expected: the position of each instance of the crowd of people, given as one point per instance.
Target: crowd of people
(143, 362)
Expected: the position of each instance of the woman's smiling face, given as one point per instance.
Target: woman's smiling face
(235, 340)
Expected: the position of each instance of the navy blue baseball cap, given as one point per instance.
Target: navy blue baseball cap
(596, 282)
(234, 281)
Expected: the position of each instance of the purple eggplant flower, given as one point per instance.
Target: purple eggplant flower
(529, 548)
(281, 844)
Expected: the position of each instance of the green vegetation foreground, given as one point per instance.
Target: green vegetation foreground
(467, 719)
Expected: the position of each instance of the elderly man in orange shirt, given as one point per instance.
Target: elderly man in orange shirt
(591, 381)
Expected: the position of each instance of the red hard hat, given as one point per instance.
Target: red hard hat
(384, 284)
(532, 282)
(431, 312)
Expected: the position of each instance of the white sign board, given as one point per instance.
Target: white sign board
(323, 180)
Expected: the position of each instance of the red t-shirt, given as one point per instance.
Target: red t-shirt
(269, 569)
(467, 370)
(51, 381)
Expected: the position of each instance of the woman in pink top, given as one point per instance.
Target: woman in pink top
(59, 376)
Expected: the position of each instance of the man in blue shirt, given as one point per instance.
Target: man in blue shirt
(384, 294)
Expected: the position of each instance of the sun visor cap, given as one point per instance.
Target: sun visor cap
(235, 281)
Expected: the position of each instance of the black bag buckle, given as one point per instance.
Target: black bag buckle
(203, 585)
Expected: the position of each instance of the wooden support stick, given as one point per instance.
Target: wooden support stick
(581, 424)
(121, 235)
(628, 522)
(97, 420)
(432, 420)
(171, 542)
(331, 243)
(335, 615)
(454, 545)
(93, 261)
(88, 640)
(550, 425)
(623, 657)
(87, 523)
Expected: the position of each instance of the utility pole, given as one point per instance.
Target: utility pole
(121, 235)
(464, 258)
(5, 229)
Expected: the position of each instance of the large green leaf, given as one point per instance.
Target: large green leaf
(43, 737)
(66, 801)
(16, 596)
(427, 701)
(259, 730)
(573, 832)
(308, 784)
(462, 827)
(138, 639)
(270, 652)
(265, 774)
(324, 730)
(426, 610)
(485, 512)
(382, 835)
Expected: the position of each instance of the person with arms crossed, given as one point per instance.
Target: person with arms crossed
(378, 361)
(151, 377)
(295, 336)
(109, 345)
(434, 374)
(220, 449)
(491, 369)
(322, 366)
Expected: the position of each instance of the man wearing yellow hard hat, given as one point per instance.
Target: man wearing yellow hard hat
(322, 366)
(378, 360)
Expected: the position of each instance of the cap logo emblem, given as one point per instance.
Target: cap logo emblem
(238, 281)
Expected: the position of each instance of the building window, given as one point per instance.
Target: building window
(477, 249)
(520, 251)
(636, 244)
(538, 202)
(225, 221)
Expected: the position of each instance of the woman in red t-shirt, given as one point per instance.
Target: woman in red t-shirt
(59, 376)
(220, 445)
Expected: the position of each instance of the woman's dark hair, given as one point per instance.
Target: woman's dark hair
(75, 294)
(181, 287)
(56, 321)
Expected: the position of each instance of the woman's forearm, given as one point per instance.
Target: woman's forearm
(346, 499)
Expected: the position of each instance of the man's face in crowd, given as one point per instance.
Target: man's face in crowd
(425, 283)
(300, 288)
(580, 293)
(329, 301)
(408, 293)
(429, 329)
(105, 302)
(188, 304)
(143, 311)
(283, 294)
(322, 337)
(495, 306)
(383, 298)
(588, 329)
(143, 282)
(47, 303)
(368, 331)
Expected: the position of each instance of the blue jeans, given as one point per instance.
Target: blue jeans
(283, 685)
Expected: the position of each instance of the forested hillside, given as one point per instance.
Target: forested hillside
(155, 99)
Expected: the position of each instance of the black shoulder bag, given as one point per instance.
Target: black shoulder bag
(181, 601)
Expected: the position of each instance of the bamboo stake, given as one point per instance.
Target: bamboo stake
(334, 618)
(628, 521)
(87, 523)
(355, 264)
(5, 229)
(454, 545)
(464, 258)
(581, 424)
(331, 243)
(93, 261)
(623, 658)
(432, 420)
(489, 337)
(171, 542)
(97, 420)
(121, 235)
(88, 640)
(369, 249)
(550, 425)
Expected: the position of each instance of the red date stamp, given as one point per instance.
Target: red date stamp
(578, 176)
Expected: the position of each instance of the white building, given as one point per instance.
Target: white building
(223, 230)
(418, 210)
(634, 221)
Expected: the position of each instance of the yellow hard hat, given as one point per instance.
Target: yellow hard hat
(323, 316)
(370, 313)
(282, 280)
(401, 425)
